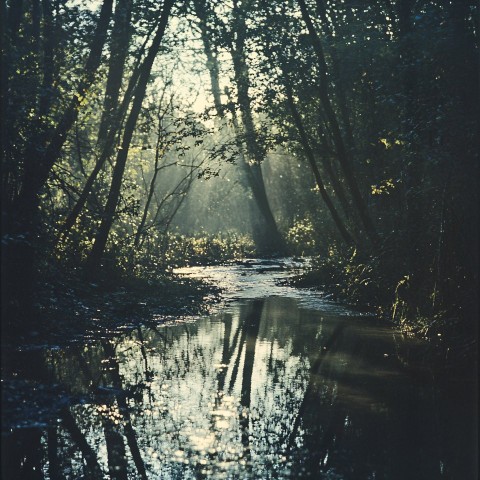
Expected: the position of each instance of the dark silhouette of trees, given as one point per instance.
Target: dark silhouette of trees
(371, 109)
(37, 157)
(139, 95)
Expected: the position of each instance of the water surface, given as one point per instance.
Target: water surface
(277, 383)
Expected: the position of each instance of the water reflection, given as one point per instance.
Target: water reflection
(262, 390)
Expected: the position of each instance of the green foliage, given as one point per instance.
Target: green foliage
(181, 250)
(347, 275)
(302, 237)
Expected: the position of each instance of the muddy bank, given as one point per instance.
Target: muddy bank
(69, 309)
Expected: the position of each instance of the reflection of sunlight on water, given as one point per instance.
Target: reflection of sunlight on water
(201, 441)
(258, 278)
(260, 389)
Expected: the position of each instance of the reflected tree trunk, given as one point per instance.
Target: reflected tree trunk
(236, 365)
(117, 462)
(70, 424)
(226, 352)
(123, 407)
(315, 371)
(22, 454)
(53, 460)
(251, 328)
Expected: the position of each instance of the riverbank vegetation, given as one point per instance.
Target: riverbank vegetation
(140, 136)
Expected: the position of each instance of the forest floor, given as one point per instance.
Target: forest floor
(69, 309)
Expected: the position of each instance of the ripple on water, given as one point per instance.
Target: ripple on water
(283, 383)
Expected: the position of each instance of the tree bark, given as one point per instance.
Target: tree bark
(101, 238)
(342, 153)
(316, 172)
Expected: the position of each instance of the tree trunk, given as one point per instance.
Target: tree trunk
(37, 169)
(118, 54)
(151, 191)
(112, 115)
(311, 159)
(342, 153)
(114, 194)
(267, 237)
(212, 62)
(337, 80)
(413, 165)
(272, 240)
(18, 255)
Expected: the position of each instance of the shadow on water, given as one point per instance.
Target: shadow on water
(265, 389)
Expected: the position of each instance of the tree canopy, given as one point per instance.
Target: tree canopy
(135, 135)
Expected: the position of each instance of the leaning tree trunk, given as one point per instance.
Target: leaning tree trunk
(118, 53)
(341, 150)
(316, 172)
(100, 242)
(272, 241)
(112, 114)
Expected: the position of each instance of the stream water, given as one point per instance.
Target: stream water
(275, 383)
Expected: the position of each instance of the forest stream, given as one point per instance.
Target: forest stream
(276, 382)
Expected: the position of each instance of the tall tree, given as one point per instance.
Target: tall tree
(341, 150)
(113, 112)
(118, 171)
(251, 152)
(21, 214)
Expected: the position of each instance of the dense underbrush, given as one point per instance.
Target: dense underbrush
(380, 282)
